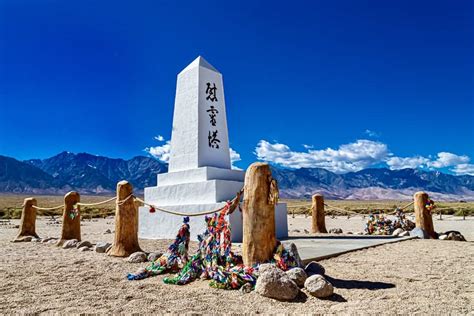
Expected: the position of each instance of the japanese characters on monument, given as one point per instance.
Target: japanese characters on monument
(211, 96)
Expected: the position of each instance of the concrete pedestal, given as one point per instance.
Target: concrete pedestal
(160, 225)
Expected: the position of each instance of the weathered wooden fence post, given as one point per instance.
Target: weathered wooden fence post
(126, 223)
(28, 220)
(71, 218)
(423, 218)
(318, 214)
(258, 216)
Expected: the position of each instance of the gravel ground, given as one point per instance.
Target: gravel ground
(416, 276)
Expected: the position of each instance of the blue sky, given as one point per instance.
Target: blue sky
(343, 85)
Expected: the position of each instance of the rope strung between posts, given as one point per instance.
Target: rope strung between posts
(341, 209)
(409, 204)
(47, 208)
(234, 202)
(97, 203)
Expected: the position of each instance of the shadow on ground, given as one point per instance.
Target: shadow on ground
(356, 284)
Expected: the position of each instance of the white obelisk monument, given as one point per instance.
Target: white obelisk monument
(199, 176)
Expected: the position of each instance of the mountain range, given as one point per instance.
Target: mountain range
(91, 174)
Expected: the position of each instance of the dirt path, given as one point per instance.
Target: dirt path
(424, 276)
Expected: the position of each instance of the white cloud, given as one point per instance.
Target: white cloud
(457, 164)
(356, 156)
(348, 157)
(234, 157)
(371, 133)
(397, 163)
(161, 153)
(464, 168)
(159, 138)
(446, 159)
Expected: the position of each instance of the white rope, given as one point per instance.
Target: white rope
(341, 209)
(47, 208)
(97, 203)
(229, 204)
(409, 204)
(179, 213)
(125, 200)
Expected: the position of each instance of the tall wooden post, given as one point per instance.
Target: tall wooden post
(423, 217)
(28, 220)
(258, 216)
(71, 218)
(126, 223)
(318, 214)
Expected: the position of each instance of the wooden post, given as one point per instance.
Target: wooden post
(126, 223)
(28, 220)
(71, 218)
(258, 215)
(423, 217)
(318, 214)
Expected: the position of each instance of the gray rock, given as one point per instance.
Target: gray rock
(298, 276)
(84, 244)
(335, 231)
(84, 248)
(137, 257)
(47, 239)
(102, 246)
(266, 266)
(456, 237)
(443, 237)
(153, 256)
(314, 268)
(23, 239)
(293, 251)
(350, 233)
(419, 232)
(52, 241)
(318, 286)
(36, 239)
(404, 234)
(306, 231)
(397, 232)
(275, 283)
(72, 243)
(108, 231)
(246, 288)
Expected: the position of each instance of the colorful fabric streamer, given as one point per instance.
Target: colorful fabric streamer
(214, 260)
(381, 225)
(172, 260)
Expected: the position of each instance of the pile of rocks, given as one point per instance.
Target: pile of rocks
(400, 232)
(335, 231)
(80, 245)
(275, 283)
(452, 235)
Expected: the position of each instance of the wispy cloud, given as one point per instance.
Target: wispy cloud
(348, 157)
(356, 156)
(234, 157)
(162, 152)
(464, 168)
(371, 133)
(397, 163)
(159, 138)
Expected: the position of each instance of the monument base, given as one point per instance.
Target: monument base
(161, 225)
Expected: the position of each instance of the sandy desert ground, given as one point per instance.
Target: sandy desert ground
(415, 276)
